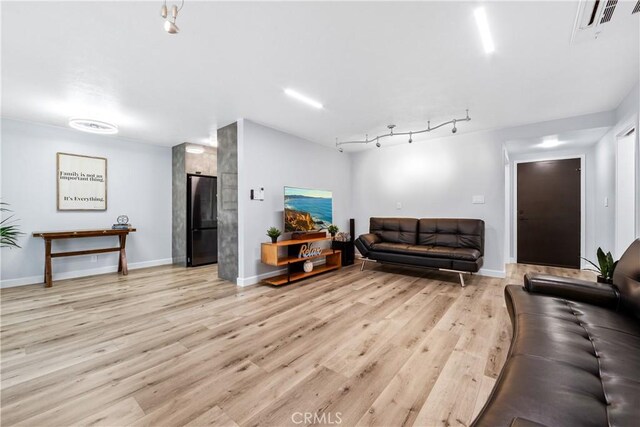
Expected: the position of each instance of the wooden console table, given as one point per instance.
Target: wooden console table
(270, 256)
(56, 235)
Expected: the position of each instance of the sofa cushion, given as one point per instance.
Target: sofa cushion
(390, 247)
(626, 278)
(395, 230)
(466, 254)
(430, 251)
(452, 232)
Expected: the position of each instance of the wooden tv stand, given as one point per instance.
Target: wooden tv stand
(270, 256)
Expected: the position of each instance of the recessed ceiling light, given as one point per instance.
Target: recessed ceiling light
(93, 126)
(194, 149)
(483, 27)
(303, 98)
(550, 143)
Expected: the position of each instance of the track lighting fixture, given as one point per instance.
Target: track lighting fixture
(170, 22)
(410, 133)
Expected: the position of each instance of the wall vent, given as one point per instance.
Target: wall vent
(637, 8)
(608, 11)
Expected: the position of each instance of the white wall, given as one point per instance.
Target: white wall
(435, 178)
(272, 159)
(605, 166)
(138, 185)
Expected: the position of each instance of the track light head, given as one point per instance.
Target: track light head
(455, 129)
(163, 11)
(174, 11)
(378, 145)
(341, 149)
(410, 137)
(171, 27)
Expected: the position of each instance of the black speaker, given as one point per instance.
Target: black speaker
(352, 229)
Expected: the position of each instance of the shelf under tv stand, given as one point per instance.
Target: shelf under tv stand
(270, 255)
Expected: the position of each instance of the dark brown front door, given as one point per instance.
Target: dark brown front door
(549, 213)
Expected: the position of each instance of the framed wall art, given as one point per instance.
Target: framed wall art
(81, 182)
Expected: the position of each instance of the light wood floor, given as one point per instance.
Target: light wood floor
(173, 346)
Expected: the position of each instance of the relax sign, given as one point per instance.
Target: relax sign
(306, 251)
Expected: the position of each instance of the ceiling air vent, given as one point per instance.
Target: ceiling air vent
(608, 11)
(593, 17)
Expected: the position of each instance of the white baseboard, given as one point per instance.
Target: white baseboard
(31, 280)
(492, 273)
(252, 280)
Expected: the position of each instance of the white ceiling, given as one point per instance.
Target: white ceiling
(369, 63)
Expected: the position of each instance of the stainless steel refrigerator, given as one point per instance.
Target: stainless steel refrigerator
(202, 220)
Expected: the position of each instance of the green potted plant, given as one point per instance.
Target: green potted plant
(333, 229)
(274, 233)
(9, 231)
(605, 268)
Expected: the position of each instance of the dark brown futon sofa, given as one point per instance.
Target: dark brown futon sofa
(449, 244)
(575, 353)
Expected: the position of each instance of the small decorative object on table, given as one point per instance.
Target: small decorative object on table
(343, 237)
(274, 233)
(122, 223)
(605, 268)
(308, 266)
(333, 229)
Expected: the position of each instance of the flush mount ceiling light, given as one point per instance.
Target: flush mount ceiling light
(194, 149)
(550, 143)
(483, 28)
(391, 128)
(93, 126)
(170, 22)
(303, 98)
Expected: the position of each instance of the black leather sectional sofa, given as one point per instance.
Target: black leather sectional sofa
(442, 243)
(575, 353)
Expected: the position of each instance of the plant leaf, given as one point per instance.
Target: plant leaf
(591, 262)
(602, 260)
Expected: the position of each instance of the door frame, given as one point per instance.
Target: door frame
(627, 127)
(583, 202)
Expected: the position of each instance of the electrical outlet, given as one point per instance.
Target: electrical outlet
(94, 258)
(606, 202)
(399, 205)
(477, 200)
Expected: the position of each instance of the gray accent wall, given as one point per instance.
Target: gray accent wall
(179, 206)
(227, 168)
(184, 163)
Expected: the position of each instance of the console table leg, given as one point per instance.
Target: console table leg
(122, 262)
(47, 263)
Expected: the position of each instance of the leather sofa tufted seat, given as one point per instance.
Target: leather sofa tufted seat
(575, 353)
(443, 243)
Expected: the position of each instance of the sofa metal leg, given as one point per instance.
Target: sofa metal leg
(461, 279)
(363, 263)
